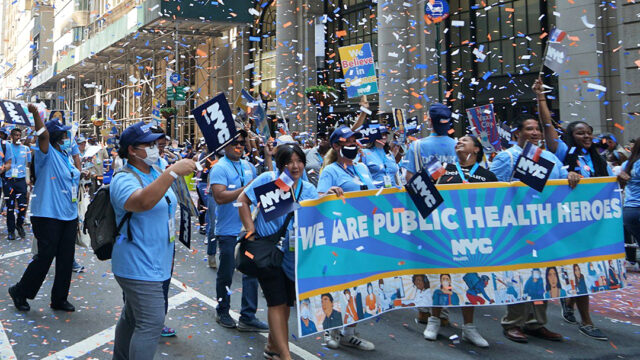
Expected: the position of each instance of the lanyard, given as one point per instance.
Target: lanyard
(382, 158)
(240, 173)
(346, 169)
(589, 163)
(471, 172)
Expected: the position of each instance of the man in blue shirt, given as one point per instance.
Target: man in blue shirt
(437, 145)
(228, 178)
(16, 184)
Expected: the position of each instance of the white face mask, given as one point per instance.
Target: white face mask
(305, 313)
(153, 155)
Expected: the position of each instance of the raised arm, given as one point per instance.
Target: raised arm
(549, 131)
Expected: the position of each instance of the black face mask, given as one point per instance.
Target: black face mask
(349, 152)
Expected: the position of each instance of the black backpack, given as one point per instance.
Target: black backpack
(100, 220)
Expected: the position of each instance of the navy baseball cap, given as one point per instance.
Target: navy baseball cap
(139, 133)
(343, 132)
(55, 127)
(440, 114)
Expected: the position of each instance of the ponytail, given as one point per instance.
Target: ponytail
(330, 157)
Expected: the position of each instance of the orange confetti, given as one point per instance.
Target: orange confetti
(287, 24)
(374, 210)
(613, 345)
(201, 53)
(509, 9)
(530, 242)
(583, 72)
(619, 126)
(543, 35)
(418, 106)
(344, 201)
(248, 254)
(401, 263)
(341, 33)
(334, 254)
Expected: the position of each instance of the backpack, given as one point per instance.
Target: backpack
(100, 220)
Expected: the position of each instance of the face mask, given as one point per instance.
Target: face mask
(381, 287)
(66, 145)
(305, 313)
(445, 284)
(153, 155)
(536, 275)
(349, 152)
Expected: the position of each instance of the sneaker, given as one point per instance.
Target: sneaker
(433, 326)
(253, 325)
(226, 321)
(470, 333)
(567, 312)
(592, 332)
(332, 339)
(203, 231)
(11, 236)
(77, 268)
(357, 342)
(212, 262)
(21, 232)
(631, 266)
(168, 332)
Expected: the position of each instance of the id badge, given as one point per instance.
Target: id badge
(14, 172)
(74, 193)
(387, 181)
(292, 241)
(172, 230)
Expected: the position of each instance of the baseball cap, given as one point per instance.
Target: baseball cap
(439, 114)
(138, 133)
(54, 127)
(343, 132)
(81, 139)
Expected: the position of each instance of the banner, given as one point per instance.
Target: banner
(490, 243)
(483, 120)
(358, 67)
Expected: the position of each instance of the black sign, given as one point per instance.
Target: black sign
(424, 193)
(216, 122)
(185, 226)
(14, 113)
(370, 133)
(57, 114)
(273, 201)
(532, 169)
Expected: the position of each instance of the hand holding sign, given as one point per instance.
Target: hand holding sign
(274, 202)
(424, 193)
(532, 169)
(216, 122)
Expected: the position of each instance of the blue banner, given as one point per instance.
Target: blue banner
(489, 243)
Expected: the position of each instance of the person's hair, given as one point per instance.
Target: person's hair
(441, 275)
(635, 155)
(329, 158)
(574, 273)
(518, 122)
(16, 130)
(478, 144)
(546, 278)
(425, 280)
(571, 160)
(328, 296)
(346, 291)
(285, 152)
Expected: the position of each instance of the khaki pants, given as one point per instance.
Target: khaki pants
(526, 315)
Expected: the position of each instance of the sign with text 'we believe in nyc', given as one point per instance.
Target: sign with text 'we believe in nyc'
(494, 243)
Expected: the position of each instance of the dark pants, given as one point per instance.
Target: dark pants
(226, 267)
(631, 219)
(56, 239)
(15, 192)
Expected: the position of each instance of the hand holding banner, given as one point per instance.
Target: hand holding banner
(216, 122)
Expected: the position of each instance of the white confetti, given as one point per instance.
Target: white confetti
(596, 87)
(360, 248)
(586, 22)
(457, 23)
(337, 214)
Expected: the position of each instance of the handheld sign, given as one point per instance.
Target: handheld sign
(14, 113)
(412, 126)
(216, 122)
(532, 169)
(424, 193)
(554, 57)
(485, 128)
(185, 226)
(273, 201)
(57, 114)
(370, 132)
(359, 70)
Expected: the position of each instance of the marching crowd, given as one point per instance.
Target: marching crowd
(142, 167)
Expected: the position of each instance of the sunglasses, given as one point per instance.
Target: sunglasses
(237, 142)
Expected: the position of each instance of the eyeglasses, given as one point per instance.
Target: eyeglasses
(237, 142)
(151, 146)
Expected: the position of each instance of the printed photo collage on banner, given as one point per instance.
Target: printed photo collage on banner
(335, 309)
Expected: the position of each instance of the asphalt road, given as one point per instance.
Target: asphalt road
(88, 333)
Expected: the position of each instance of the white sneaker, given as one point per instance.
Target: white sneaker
(212, 261)
(356, 342)
(433, 326)
(631, 267)
(332, 339)
(470, 333)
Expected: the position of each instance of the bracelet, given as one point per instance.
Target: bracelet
(172, 173)
(41, 131)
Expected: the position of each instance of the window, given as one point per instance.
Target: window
(266, 54)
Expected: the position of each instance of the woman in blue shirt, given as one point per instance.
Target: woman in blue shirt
(54, 216)
(278, 286)
(141, 264)
(340, 173)
(629, 179)
(381, 164)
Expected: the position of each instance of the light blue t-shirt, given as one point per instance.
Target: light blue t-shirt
(632, 190)
(233, 175)
(348, 179)
(163, 164)
(56, 181)
(504, 163)
(304, 191)
(435, 146)
(20, 156)
(380, 164)
(584, 158)
(149, 255)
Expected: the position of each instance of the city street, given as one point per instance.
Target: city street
(88, 333)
